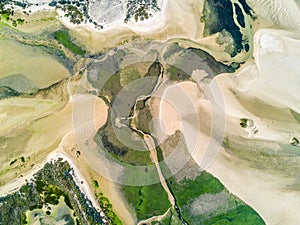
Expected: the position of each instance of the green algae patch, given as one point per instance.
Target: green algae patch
(64, 38)
(147, 201)
(204, 199)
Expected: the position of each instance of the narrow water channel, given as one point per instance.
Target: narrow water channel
(151, 145)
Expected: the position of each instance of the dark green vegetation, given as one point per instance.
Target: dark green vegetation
(187, 189)
(96, 184)
(7, 14)
(21, 159)
(247, 8)
(228, 209)
(241, 215)
(107, 207)
(211, 64)
(147, 201)
(119, 151)
(64, 38)
(50, 194)
(243, 122)
(48, 185)
(73, 13)
(170, 219)
(214, 13)
(140, 9)
(177, 74)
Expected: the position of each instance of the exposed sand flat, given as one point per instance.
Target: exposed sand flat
(280, 13)
(61, 124)
(39, 67)
(266, 193)
(111, 190)
(30, 108)
(273, 78)
(276, 57)
(42, 137)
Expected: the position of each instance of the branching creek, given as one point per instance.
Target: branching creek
(151, 144)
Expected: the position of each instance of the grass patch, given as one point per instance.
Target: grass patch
(241, 215)
(121, 152)
(177, 74)
(95, 184)
(170, 219)
(147, 201)
(232, 211)
(107, 209)
(64, 38)
(187, 189)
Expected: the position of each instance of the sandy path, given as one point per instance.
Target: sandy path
(154, 219)
(153, 154)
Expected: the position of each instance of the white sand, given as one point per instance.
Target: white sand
(280, 13)
(156, 22)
